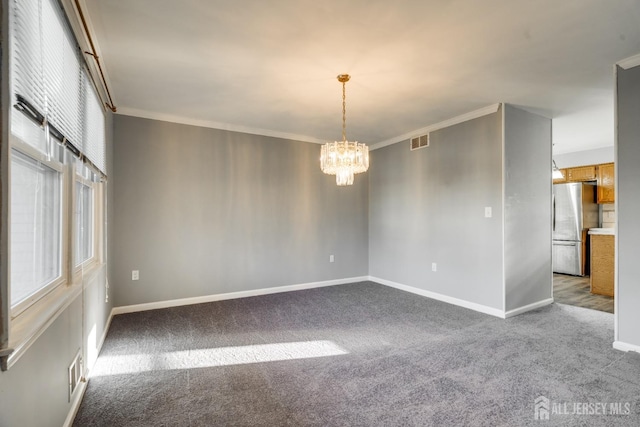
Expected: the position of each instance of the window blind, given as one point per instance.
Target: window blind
(62, 78)
(28, 75)
(50, 83)
(93, 145)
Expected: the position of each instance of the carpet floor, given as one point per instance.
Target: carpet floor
(359, 355)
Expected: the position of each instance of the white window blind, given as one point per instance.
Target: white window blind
(62, 77)
(28, 74)
(48, 74)
(93, 145)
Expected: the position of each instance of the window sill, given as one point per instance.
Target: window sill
(26, 327)
(30, 324)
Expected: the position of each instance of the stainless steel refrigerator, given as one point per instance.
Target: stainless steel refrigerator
(574, 212)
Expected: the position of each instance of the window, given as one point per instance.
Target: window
(36, 226)
(56, 161)
(84, 223)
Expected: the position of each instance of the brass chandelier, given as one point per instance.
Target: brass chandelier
(343, 158)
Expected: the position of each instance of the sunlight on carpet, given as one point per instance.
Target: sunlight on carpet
(212, 357)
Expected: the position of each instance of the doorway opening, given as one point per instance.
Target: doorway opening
(583, 243)
(576, 290)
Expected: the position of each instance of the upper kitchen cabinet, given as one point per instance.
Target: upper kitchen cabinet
(563, 179)
(577, 174)
(582, 173)
(606, 189)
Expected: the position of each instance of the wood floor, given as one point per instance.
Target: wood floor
(574, 290)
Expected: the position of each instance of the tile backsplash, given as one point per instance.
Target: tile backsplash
(608, 215)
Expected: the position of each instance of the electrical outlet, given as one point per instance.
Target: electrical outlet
(331, 258)
(434, 266)
(135, 275)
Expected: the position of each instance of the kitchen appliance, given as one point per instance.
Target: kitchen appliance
(574, 212)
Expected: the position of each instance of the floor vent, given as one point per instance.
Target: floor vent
(419, 142)
(75, 374)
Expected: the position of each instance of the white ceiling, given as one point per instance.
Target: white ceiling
(270, 67)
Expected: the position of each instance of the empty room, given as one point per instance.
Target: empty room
(362, 213)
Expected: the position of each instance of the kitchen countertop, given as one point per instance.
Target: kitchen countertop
(603, 231)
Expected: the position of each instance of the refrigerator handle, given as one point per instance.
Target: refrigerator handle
(553, 214)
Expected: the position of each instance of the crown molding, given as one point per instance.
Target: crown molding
(632, 61)
(125, 111)
(153, 115)
(489, 109)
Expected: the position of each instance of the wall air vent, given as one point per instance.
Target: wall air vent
(419, 142)
(75, 374)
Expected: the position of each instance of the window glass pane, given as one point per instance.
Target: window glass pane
(83, 223)
(35, 226)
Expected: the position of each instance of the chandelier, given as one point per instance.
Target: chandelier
(344, 158)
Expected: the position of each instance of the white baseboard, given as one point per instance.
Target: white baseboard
(233, 295)
(107, 325)
(440, 297)
(529, 307)
(75, 404)
(619, 345)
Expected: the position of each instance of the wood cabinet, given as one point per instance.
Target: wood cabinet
(606, 181)
(603, 174)
(577, 174)
(602, 264)
(582, 173)
(563, 179)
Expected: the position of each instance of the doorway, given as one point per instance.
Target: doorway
(576, 290)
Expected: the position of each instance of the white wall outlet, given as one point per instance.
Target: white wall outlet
(135, 275)
(331, 258)
(434, 266)
(487, 212)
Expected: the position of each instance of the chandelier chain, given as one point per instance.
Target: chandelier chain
(344, 112)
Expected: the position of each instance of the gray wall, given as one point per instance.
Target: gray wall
(203, 211)
(428, 206)
(527, 208)
(34, 391)
(628, 204)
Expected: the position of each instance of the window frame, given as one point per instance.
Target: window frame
(34, 154)
(94, 259)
